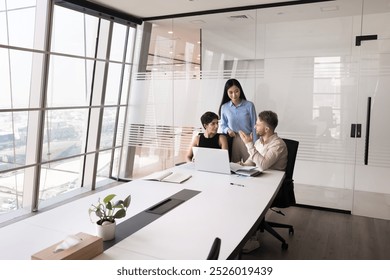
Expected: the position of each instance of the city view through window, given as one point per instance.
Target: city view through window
(60, 104)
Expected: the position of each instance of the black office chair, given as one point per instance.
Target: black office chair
(214, 251)
(285, 196)
(230, 145)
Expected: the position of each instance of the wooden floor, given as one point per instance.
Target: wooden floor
(324, 235)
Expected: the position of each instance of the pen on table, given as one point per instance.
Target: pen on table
(234, 184)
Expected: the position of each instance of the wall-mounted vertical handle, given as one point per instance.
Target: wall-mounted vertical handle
(368, 120)
(353, 130)
(356, 130)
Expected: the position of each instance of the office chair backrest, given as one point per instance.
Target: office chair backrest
(286, 196)
(292, 148)
(230, 145)
(214, 251)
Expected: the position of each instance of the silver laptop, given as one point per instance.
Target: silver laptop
(211, 160)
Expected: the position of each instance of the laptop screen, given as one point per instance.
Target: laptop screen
(211, 160)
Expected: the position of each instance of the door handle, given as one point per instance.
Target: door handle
(367, 142)
(356, 130)
(353, 130)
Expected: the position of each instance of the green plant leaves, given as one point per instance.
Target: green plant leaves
(108, 198)
(120, 214)
(127, 201)
(99, 213)
(108, 210)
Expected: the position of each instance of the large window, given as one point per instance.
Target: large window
(16, 87)
(63, 103)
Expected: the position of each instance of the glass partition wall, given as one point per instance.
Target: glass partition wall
(301, 61)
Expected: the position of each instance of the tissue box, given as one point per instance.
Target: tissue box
(87, 249)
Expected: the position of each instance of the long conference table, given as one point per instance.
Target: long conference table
(209, 205)
(226, 206)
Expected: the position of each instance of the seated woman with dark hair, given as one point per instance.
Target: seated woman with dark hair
(210, 138)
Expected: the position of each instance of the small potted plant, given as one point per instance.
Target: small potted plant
(107, 211)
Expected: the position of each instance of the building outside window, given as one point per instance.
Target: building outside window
(64, 93)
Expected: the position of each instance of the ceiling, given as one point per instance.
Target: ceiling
(199, 13)
(157, 8)
(187, 26)
(146, 9)
(190, 16)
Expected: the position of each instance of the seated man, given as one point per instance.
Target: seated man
(268, 152)
(210, 138)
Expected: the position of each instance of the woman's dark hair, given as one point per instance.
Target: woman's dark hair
(225, 97)
(208, 117)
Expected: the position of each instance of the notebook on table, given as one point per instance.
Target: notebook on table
(211, 160)
(244, 170)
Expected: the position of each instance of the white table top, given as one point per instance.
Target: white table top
(220, 210)
(186, 232)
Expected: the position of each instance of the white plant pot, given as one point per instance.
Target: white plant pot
(106, 231)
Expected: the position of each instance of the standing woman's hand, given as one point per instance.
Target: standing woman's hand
(231, 133)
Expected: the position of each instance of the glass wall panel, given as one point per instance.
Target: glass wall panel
(182, 81)
(298, 67)
(372, 176)
(118, 42)
(121, 126)
(19, 4)
(20, 70)
(113, 84)
(15, 78)
(65, 132)
(116, 163)
(60, 177)
(5, 81)
(20, 32)
(73, 32)
(130, 45)
(3, 24)
(301, 62)
(150, 126)
(9, 196)
(69, 81)
(13, 136)
(11, 191)
(108, 128)
(105, 164)
(125, 85)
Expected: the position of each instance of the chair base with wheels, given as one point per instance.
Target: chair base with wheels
(269, 227)
(285, 196)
